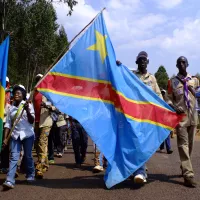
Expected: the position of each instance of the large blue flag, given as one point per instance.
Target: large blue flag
(126, 120)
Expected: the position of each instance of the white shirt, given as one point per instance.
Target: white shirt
(23, 129)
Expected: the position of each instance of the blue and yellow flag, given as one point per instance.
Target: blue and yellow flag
(126, 120)
(4, 47)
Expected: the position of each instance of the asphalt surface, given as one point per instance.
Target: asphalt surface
(62, 181)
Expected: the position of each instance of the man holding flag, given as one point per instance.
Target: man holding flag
(149, 80)
(181, 93)
(4, 47)
(110, 102)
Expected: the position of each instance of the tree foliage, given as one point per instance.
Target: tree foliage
(162, 77)
(70, 3)
(36, 38)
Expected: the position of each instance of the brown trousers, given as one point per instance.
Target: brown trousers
(185, 141)
(42, 149)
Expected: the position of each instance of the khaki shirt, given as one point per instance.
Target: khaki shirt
(176, 97)
(45, 116)
(149, 80)
(61, 120)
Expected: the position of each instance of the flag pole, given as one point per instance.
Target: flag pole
(66, 49)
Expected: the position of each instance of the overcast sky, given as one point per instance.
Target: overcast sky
(166, 29)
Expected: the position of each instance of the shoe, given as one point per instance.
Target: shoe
(8, 185)
(77, 166)
(97, 169)
(162, 151)
(30, 179)
(169, 151)
(140, 179)
(51, 162)
(83, 159)
(190, 182)
(59, 155)
(39, 175)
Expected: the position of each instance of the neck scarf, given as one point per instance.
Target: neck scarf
(186, 91)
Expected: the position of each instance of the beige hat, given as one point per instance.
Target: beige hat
(39, 75)
(163, 90)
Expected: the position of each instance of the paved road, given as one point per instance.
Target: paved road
(63, 182)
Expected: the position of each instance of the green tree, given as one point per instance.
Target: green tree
(70, 3)
(61, 39)
(162, 77)
(36, 39)
(6, 7)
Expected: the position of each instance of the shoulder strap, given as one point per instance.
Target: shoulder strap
(16, 119)
(18, 112)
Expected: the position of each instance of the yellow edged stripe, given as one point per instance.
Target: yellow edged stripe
(2, 101)
(106, 82)
(79, 77)
(110, 102)
(73, 95)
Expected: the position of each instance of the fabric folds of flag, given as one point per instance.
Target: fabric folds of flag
(4, 47)
(126, 120)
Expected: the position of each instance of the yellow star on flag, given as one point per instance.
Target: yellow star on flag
(100, 45)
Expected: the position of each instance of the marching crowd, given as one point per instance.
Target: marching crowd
(32, 122)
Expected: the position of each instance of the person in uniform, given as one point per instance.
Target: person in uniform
(140, 176)
(181, 94)
(147, 78)
(43, 125)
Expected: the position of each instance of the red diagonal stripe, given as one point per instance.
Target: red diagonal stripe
(105, 92)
